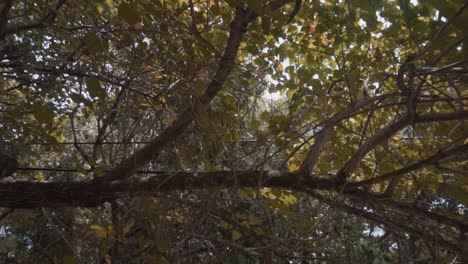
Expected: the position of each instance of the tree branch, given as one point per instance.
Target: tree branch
(151, 151)
(432, 160)
(388, 131)
(5, 6)
(456, 220)
(313, 154)
(397, 225)
(92, 193)
(47, 19)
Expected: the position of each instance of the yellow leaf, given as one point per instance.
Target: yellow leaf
(293, 166)
(40, 176)
(290, 94)
(288, 199)
(127, 227)
(279, 67)
(99, 230)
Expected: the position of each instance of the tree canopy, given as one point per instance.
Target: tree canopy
(237, 131)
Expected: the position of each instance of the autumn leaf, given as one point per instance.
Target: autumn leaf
(99, 231)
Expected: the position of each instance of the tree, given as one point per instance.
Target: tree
(144, 131)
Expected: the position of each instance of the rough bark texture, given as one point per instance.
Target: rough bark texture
(94, 193)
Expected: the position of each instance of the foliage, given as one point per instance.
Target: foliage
(233, 131)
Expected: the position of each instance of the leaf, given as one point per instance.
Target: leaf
(95, 89)
(93, 43)
(254, 5)
(43, 113)
(78, 98)
(79, 168)
(254, 220)
(288, 199)
(99, 230)
(129, 13)
(242, 193)
(290, 94)
(69, 260)
(235, 235)
(162, 245)
(458, 194)
(265, 116)
(279, 67)
(258, 231)
(266, 25)
(304, 224)
(224, 225)
(40, 177)
(312, 28)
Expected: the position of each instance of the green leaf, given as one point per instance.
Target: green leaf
(254, 5)
(69, 260)
(43, 113)
(235, 235)
(254, 220)
(224, 225)
(266, 25)
(162, 245)
(99, 230)
(93, 43)
(290, 94)
(78, 98)
(95, 89)
(265, 116)
(129, 13)
(458, 194)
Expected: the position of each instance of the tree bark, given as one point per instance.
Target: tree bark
(94, 193)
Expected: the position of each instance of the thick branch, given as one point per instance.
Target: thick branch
(92, 193)
(388, 131)
(47, 19)
(433, 160)
(151, 151)
(443, 28)
(369, 145)
(5, 6)
(455, 220)
(314, 153)
(389, 223)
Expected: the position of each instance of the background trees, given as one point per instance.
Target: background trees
(145, 131)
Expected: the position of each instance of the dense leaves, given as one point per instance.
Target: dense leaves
(233, 131)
